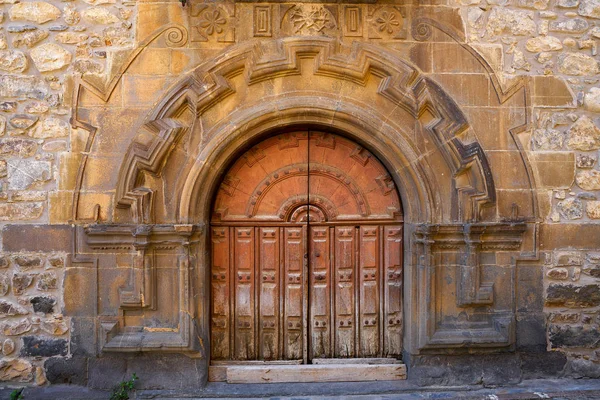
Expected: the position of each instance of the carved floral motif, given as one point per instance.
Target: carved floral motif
(387, 22)
(212, 22)
(311, 19)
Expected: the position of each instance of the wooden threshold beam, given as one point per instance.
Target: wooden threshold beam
(308, 373)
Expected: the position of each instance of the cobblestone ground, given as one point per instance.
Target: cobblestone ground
(534, 389)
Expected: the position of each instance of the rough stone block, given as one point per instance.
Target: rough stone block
(34, 346)
(543, 365)
(72, 371)
(573, 296)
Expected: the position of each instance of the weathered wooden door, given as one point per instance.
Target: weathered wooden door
(306, 254)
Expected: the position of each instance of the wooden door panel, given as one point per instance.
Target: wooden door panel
(320, 293)
(393, 277)
(220, 321)
(345, 288)
(306, 253)
(269, 295)
(294, 314)
(244, 268)
(369, 291)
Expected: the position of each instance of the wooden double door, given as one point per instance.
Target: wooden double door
(306, 254)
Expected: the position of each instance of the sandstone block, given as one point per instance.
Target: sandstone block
(592, 208)
(591, 100)
(97, 15)
(35, 11)
(16, 370)
(567, 3)
(3, 41)
(50, 57)
(8, 106)
(20, 211)
(87, 66)
(23, 121)
(548, 139)
(2, 125)
(514, 22)
(558, 273)
(588, 180)
(20, 282)
(589, 8)
(52, 127)
(8, 346)
(56, 262)
(14, 147)
(533, 4)
(24, 173)
(592, 270)
(4, 284)
(3, 169)
(16, 328)
(573, 296)
(55, 326)
(569, 259)
(71, 37)
(571, 208)
(99, 2)
(543, 43)
(584, 135)
(10, 309)
(47, 281)
(12, 61)
(4, 262)
(36, 107)
(561, 336)
(71, 16)
(28, 262)
(575, 25)
(31, 87)
(29, 39)
(577, 64)
(558, 317)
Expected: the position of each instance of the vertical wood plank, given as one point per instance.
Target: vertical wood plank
(293, 327)
(320, 293)
(244, 294)
(369, 291)
(393, 277)
(345, 299)
(268, 282)
(220, 307)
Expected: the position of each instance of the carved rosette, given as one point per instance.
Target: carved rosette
(386, 22)
(212, 23)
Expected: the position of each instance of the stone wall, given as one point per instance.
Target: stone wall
(559, 38)
(45, 47)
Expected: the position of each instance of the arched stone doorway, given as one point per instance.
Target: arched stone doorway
(306, 236)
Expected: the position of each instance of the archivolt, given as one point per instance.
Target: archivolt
(404, 90)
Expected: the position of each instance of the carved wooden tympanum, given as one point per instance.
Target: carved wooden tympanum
(306, 253)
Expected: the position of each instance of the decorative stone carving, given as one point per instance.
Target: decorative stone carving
(386, 22)
(212, 22)
(310, 20)
(443, 249)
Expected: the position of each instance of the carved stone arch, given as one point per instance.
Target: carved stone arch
(400, 86)
(403, 117)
